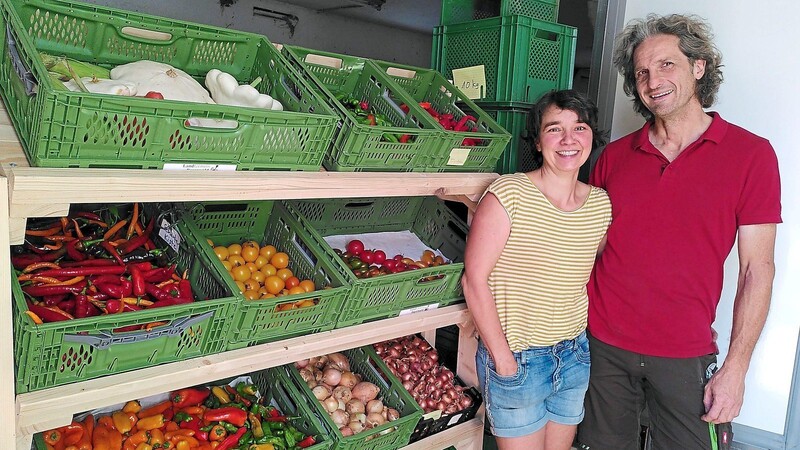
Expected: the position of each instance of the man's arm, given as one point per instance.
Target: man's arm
(724, 393)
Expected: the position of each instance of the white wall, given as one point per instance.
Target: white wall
(321, 31)
(761, 92)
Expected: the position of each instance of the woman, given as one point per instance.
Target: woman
(531, 247)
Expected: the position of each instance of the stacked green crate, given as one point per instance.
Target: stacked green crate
(524, 54)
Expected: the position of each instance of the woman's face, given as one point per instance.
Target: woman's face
(565, 141)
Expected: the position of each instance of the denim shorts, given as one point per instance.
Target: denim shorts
(549, 385)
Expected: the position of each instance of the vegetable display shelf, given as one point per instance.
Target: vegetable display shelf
(40, 192)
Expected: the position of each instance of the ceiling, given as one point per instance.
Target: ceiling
(415, 15)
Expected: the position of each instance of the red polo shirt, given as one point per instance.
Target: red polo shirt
(657, 284)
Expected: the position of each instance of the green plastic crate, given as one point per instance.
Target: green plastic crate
(270, 223)
(455, 11)
(522, 57)
(59, 128)
(387, 296)
(519, 154)
(361, 147)
(427, 85)
(365, 362)
(278, 389)
(58, 353)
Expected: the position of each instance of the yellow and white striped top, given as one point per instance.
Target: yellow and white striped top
(539, 282)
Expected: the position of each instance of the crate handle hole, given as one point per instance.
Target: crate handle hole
(142, 33)
(206, 123)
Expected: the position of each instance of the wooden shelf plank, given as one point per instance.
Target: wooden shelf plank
(54, 407)
(466, 436)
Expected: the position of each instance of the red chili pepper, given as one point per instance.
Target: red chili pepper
(129, 307)
(88, 215)
(22, 261)
(171, 302)
(54, 255)
(157, 293)
(404, 138)
(159, 275)
(83, 271)
(49, 313)
(141, 266)
(189, 397)
(232, 440)
(82, 306)
(40, 291)
(113, 306)
(185, 289)
(425, 105)
(73, 252)
(230, 414)
(137, 281)
(68, 306)
(116, 291)
(112, 251)
(404, 108)
(138, 241)
(53, 299)
(307, 442)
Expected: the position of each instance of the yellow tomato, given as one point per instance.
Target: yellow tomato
(221, 252)
(227, 265)
(296, 290)
(269, 270)
(258, 276)
(240, 273)
(251, 285)
(235, 249)
(308, 285)
(236, 260)
(251, 295)
(285, 274)
(240, 285)
(274, 284)
(267, 251)
(261, 261)
(280, 260)
(249, 253)
(305, 303)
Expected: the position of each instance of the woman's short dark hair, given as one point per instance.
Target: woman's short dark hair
(570, 100)
(696, 42)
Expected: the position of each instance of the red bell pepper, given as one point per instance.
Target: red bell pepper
(307, 442)
(193, 423)
(189, 397)
(232, 440)
(230, 414)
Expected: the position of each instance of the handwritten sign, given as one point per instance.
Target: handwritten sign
(471, 81)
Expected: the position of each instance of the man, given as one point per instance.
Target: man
(682, 188)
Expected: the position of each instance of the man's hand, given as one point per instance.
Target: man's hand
(724, 395)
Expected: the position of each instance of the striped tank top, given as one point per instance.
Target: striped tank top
(539, 282)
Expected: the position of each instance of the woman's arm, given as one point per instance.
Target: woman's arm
(488, 233)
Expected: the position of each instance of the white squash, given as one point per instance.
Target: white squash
(103, 86)
(172, 83)
(226, 90)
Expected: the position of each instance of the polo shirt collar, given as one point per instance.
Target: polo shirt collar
(715, 133)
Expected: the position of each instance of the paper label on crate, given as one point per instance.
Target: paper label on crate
(436, 414)
(205, 167)
(471, 81)
(417, 309)
(170, 234)
(454, 420)
(458, 156)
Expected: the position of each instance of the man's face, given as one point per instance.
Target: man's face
(665, 78)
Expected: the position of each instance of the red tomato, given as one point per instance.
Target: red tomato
(355, 247)
(379, 257)
(368, 256)
(398, 257)
(390, 264)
